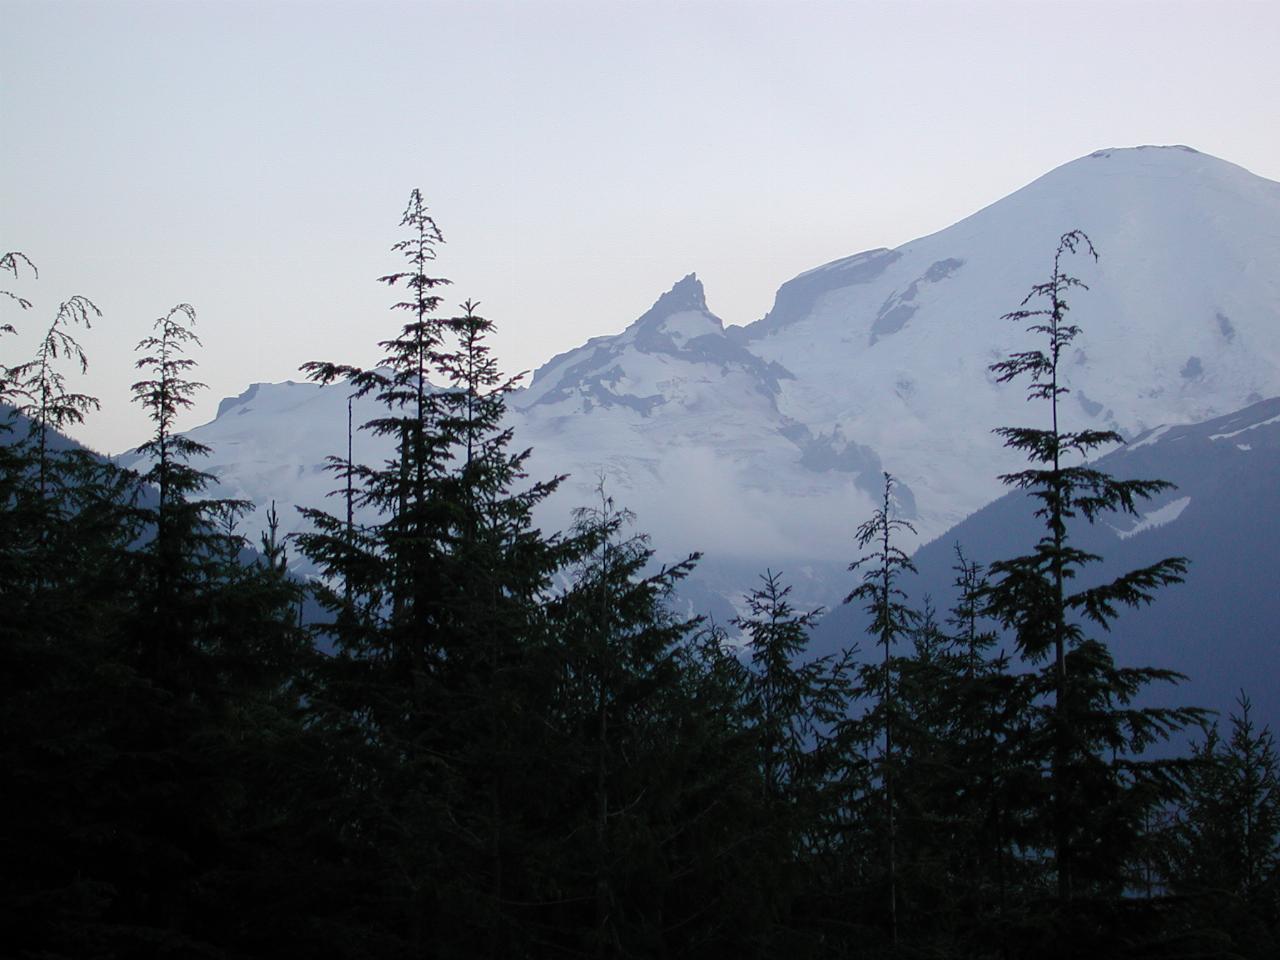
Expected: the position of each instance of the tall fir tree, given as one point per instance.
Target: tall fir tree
(795, 707)
(796, 703)
(1093, 733)
(652, 754)
(401, 492)
(439, 632)
(988, 779)
(884, 600)
(187, 546)
(379, 697)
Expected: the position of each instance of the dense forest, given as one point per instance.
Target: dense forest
(469, 737)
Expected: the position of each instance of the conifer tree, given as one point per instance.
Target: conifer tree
(988, 772)
(380, 698)
(927, 815)
(1223, 848)
(213, 655)
(959, 711)
(164, 395)
(402, 492)
(136, 789)
(185, 541)
(891, 618)
(48, 403)
(1093, 732)
(440, 634)
(495, 576)
(623, 653)
(11, 261)
(64, 529)
(37, 390)
(795, 708)
(795, 703)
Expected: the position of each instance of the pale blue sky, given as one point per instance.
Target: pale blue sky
(580, 157)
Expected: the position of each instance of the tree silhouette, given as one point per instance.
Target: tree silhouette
(891, 618)
(1093, 716)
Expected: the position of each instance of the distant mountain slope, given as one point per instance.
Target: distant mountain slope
(763, 445)
(17, 427)
(1221, 626)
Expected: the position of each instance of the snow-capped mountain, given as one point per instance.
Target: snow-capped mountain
(763, 445)
(1179, 324)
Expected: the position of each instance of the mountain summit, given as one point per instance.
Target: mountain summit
(687, 294)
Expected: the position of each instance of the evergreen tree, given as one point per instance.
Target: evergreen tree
(626, 651)
(1093, 734)
(47, 401)
(64, 529)
(683, 852)
(495, 575)
(130, 784)
(401, 492)
(182, 661)
(380, 698)
(442, 647)
(11, 261)
(988, 779)
(1223, 848)
(187, 550)
(891, 619)
(796, 704)
(795, 708)
(930, 818)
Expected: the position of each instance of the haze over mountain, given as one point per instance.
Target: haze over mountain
(764, 445)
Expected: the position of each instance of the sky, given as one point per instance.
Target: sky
(253, 159)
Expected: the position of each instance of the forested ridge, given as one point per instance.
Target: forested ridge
(496, 741)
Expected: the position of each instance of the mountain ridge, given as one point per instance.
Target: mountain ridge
(764, 444)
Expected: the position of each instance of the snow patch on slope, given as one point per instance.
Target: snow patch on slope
(1155, 518)
(1236, 433)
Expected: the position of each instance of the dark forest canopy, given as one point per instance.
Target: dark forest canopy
(487, 740)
